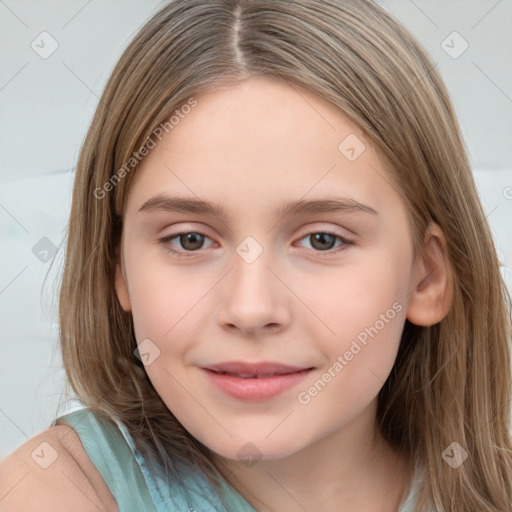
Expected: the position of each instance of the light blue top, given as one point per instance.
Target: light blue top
(136, 489)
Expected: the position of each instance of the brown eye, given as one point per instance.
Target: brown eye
(324, 241)
(190, 241)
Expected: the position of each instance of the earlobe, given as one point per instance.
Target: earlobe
(121, 286)
(432, 296)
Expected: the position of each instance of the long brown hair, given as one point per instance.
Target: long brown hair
(451, 381)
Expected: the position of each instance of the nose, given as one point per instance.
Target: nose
(253, 297)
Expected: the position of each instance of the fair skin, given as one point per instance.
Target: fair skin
(250, 148)
(70, 482)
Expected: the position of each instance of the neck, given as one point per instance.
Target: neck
(353, 469)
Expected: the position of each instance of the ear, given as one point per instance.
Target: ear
(120, 282)
(432, 296)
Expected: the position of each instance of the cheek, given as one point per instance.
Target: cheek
(166, 304)
(358, 358)
(363, 315)
(165, 298)
(355, 297)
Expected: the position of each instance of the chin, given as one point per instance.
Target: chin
(251, 450)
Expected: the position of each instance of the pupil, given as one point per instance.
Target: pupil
(191, 237)
(322, 238)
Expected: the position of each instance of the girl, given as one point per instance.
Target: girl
(226, 359)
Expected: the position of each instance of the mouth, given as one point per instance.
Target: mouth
(254, 370)
(255, 381)
(251, 375)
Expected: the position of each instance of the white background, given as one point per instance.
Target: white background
(47, 104)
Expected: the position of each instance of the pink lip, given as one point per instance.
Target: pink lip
(276, 378)
(256, 368)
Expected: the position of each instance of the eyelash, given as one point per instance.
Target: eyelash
(345, 242)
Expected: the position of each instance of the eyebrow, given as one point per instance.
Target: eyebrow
(180, 204)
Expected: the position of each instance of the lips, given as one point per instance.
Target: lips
(261, 370)
(254, 382)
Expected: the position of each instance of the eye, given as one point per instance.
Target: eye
(322, 241)
(191, 241)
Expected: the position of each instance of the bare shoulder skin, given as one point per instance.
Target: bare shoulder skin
(51, 472)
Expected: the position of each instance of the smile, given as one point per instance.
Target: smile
(254, 381)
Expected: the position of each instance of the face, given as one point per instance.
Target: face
(317, 295)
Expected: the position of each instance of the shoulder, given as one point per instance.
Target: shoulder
(52, 472)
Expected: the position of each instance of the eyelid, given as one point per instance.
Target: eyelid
(307, 231)
(319, 227)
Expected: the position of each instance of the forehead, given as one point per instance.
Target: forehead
(258, 142)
